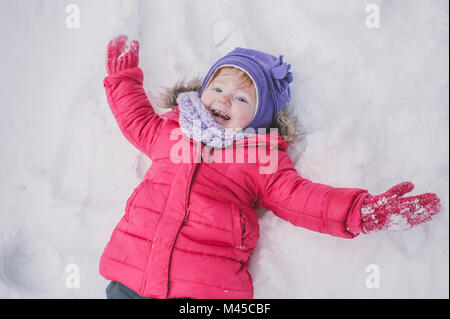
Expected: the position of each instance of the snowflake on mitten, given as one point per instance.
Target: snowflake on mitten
(390, 211)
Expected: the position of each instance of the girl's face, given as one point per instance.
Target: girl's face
(231, 105)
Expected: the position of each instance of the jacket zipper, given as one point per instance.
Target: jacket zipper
(185, 217)
(184, 222)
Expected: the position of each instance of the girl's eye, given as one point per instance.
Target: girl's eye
(240, 99)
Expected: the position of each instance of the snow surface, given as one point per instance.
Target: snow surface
(372, 102)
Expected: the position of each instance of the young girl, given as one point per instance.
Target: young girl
(191, 225)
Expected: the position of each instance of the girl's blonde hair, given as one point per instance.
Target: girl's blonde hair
(285, 121)
(244, 80)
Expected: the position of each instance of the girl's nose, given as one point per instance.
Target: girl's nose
(225, 99)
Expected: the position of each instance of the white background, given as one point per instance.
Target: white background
(373, 104)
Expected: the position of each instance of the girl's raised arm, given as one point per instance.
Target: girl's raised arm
(126, 96)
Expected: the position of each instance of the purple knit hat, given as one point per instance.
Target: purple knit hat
(271, 77)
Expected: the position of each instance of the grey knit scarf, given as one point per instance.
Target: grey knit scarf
(197, 123)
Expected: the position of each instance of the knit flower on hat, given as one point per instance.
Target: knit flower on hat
(281, 75)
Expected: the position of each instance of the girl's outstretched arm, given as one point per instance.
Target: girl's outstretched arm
(342, 212)
(314, 206)
(126, 96)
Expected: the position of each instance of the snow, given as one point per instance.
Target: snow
(373, 103)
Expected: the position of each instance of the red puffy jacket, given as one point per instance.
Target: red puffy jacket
(190, 226)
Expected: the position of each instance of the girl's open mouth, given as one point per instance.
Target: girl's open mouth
(220, 115)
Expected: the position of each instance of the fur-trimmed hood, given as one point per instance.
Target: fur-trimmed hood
(168, 99)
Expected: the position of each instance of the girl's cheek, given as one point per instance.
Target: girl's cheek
(206, 100)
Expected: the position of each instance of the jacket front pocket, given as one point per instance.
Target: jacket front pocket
(132, 197)
(238, 227)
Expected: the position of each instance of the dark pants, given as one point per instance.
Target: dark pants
(116, 290)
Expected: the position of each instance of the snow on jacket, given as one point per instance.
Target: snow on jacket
(190, 226)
